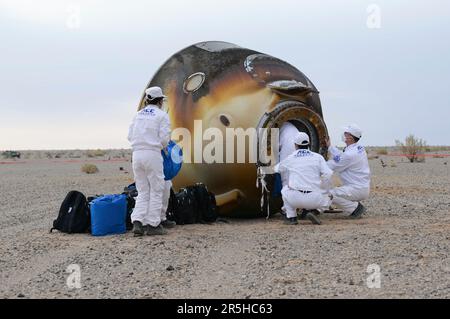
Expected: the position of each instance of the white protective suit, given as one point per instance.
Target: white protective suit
(353, 167)
(306, 171)
(149, 133)
(288, 131)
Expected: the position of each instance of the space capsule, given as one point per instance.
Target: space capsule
(225, 86)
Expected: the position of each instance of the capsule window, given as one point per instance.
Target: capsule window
(194, 82)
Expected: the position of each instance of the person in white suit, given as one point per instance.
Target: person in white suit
(305, 171)
(353, 167)
(148, 134)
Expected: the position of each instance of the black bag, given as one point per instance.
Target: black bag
(191, 205)
(206, 204)
(182, 207)
(131, 190)
(131, 193)
(74, 216)
(131, 202)
(172, 205)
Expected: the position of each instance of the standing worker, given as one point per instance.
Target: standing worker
(353, 167)
(148, 134)
(305, 171)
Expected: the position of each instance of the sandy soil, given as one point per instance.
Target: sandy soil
(406, 232)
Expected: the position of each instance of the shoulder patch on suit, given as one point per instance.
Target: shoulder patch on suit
(337, 158)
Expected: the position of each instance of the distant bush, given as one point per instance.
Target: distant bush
(95, 153)
(382, 151)
(89, 169)
(412, 148)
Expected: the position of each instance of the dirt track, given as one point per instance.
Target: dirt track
(406, 232)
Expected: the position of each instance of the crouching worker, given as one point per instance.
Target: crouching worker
(353, 168)
(305, 171)
(148, 134)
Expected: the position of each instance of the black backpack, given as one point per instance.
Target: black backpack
(191, 205)
(131, 193)
(74, 216)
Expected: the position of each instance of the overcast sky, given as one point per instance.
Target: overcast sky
(72, 72)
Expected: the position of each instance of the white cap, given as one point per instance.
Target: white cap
(154, 92)
(353, 129)
(301, 139)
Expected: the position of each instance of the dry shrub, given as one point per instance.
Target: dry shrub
(89, 169)
(412, 148)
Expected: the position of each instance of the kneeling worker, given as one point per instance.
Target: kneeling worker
(305, 171)
(353, 167)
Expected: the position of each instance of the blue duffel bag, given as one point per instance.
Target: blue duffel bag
(172, 160)
(108, 215)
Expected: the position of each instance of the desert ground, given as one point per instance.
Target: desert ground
(406, 232)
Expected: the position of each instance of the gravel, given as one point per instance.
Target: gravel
(406, 233)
